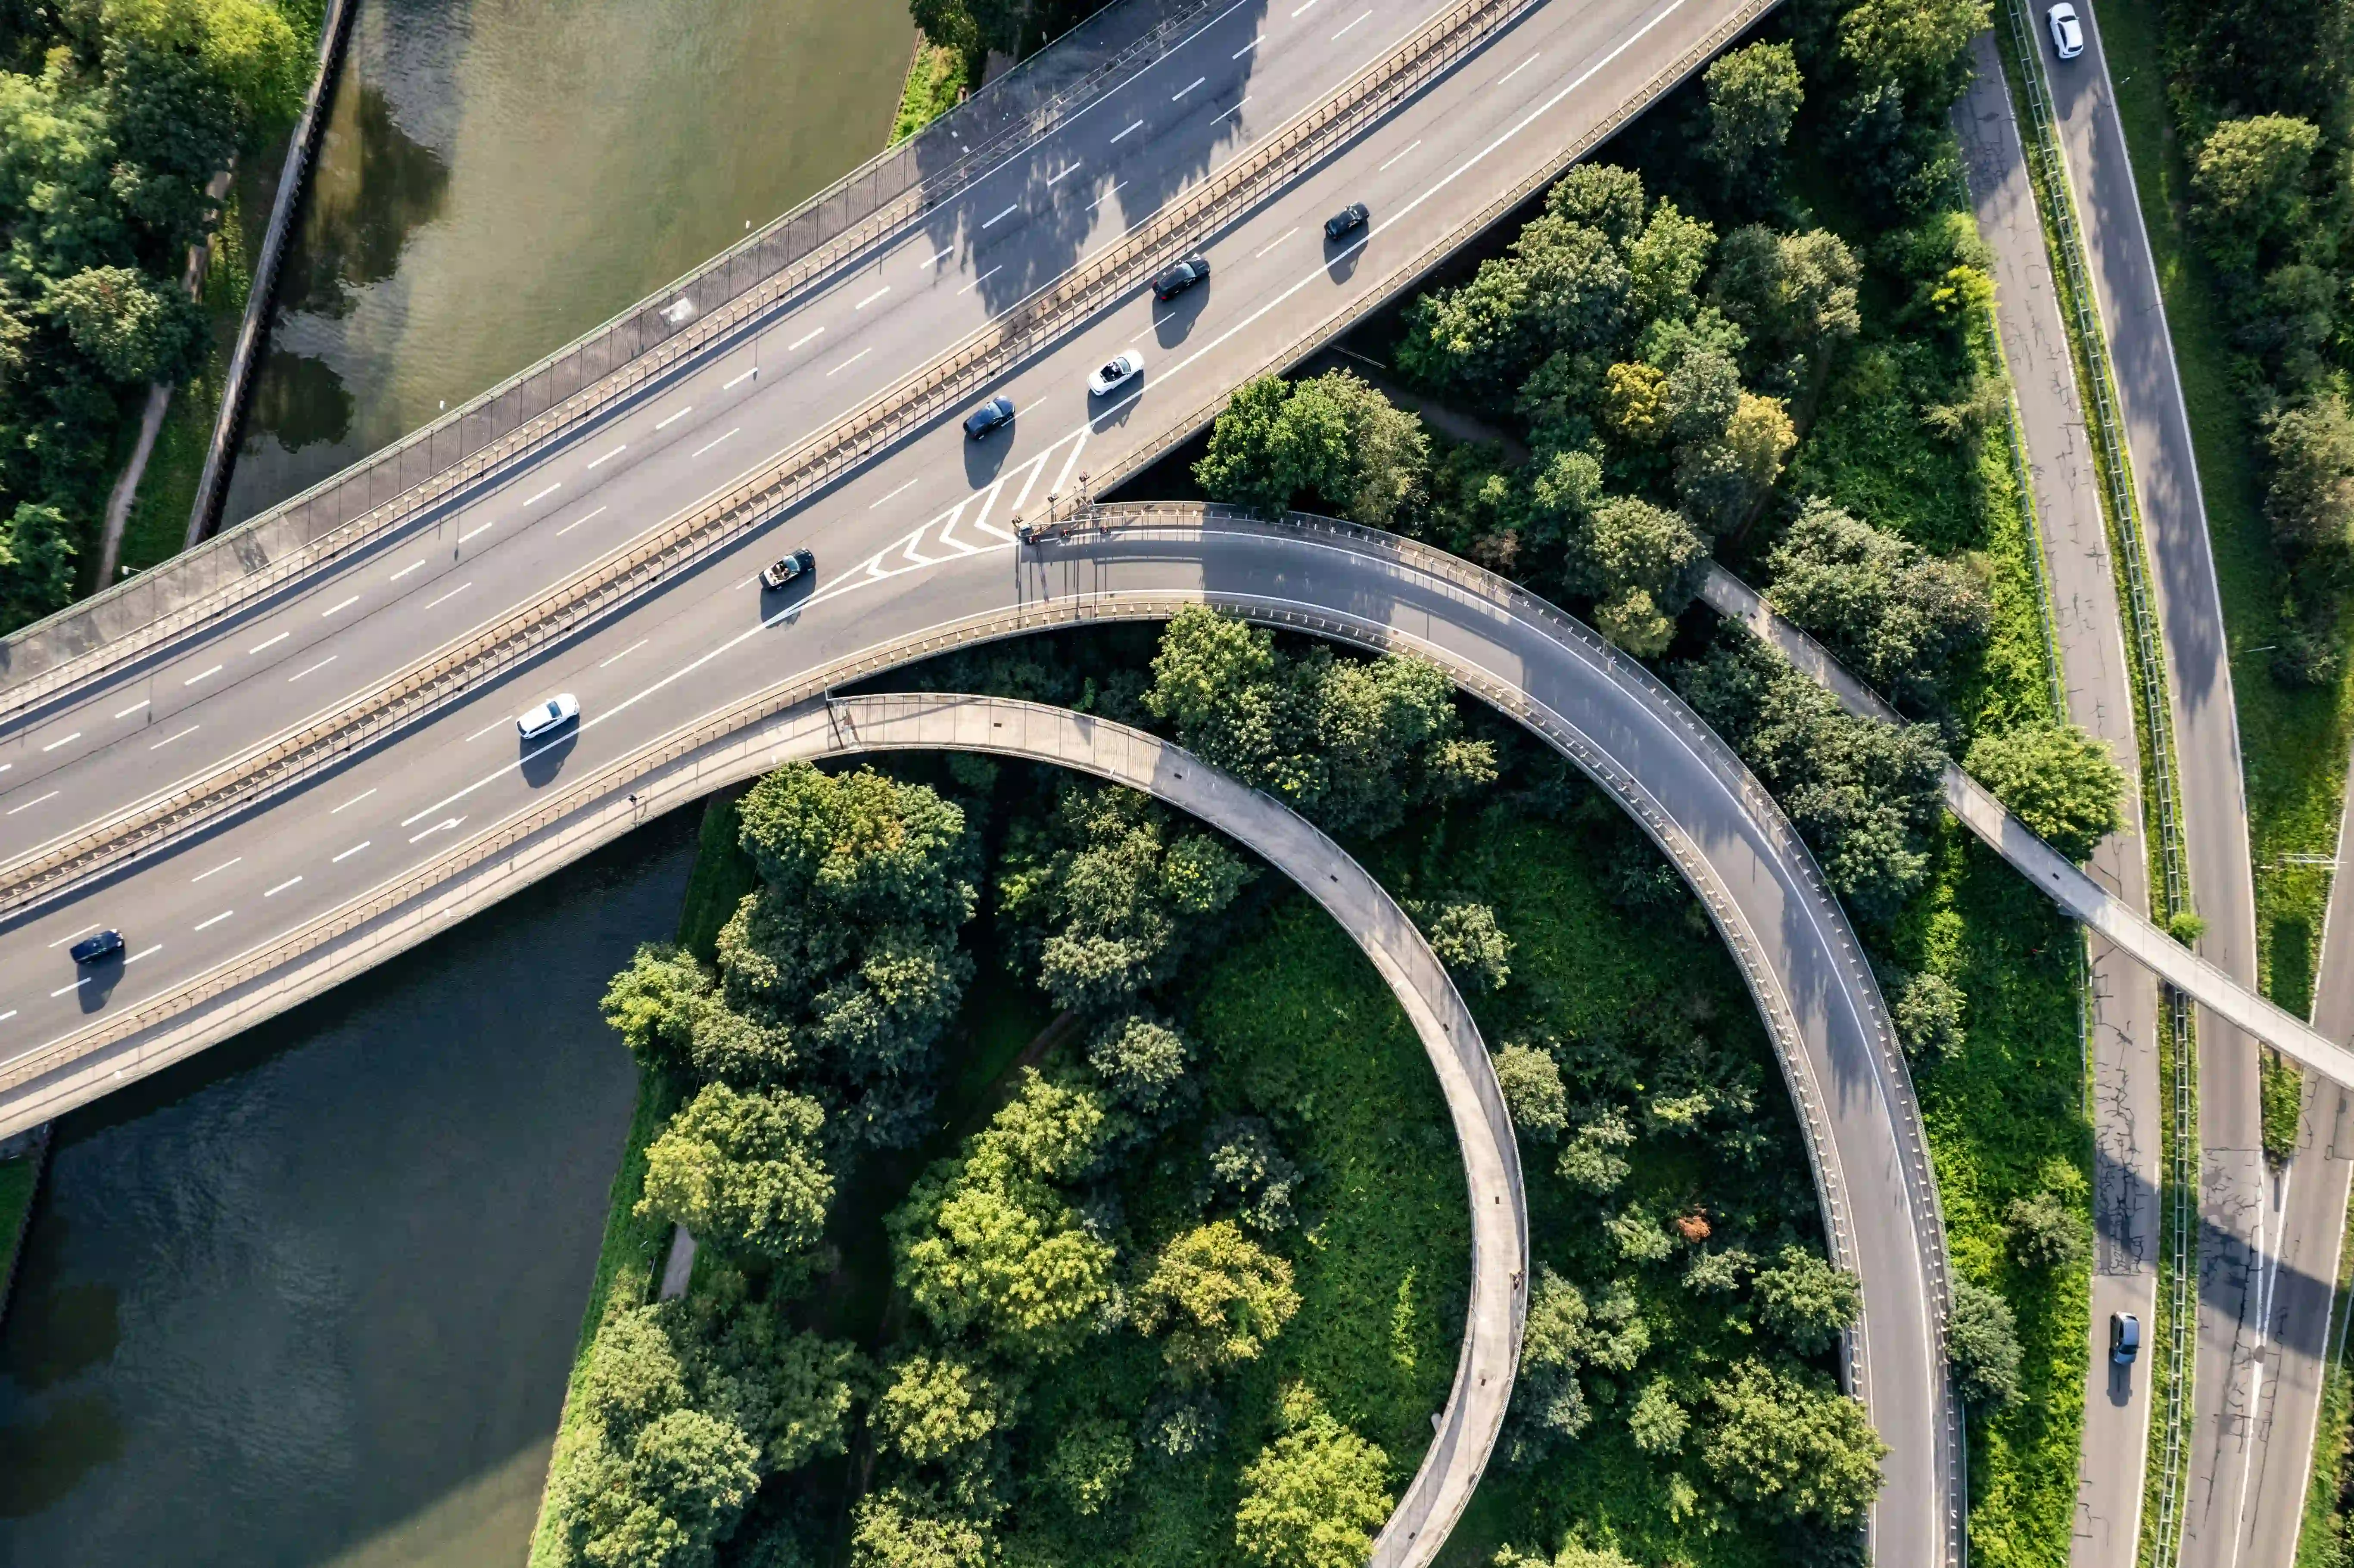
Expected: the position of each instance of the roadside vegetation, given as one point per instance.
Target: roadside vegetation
(937, 79)
(18, 1179)
(113, 119)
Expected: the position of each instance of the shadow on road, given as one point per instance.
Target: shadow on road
(544, 761)
(1173, 322)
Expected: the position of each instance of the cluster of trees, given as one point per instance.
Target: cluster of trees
(114, 117)
(2259, 95)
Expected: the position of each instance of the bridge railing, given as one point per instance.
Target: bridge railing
(474, 441)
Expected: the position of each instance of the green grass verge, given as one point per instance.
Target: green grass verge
(19, 1177)
(936, 78)
(2294, 744)
(2282, 1098)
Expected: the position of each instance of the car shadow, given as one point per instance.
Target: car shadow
(1341, 256)
(1114, 410)
(985, 457)
(1174, 322)
(98, 983)
(787, 599)
(543, 759)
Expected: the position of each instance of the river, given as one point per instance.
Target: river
(498, 177)
(309, 1300)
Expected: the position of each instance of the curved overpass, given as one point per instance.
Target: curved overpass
(1482, 1391)
(393, 845)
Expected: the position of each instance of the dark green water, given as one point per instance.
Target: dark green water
(311, 1298)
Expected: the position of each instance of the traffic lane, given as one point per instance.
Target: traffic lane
(647, 490)
(887, 348)
(1688, 784)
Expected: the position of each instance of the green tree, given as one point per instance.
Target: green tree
(2062, 783)
(909, 1526)
(1089, 1463)
(1141, 1061)
(247, 46)
(1641, 564)
(867, 847)
(1897, 616)
(1793, 1444)
(1753, 96)
(742, 1171)
(1216, 1298)
(36, 570)
(1533, 1092)
(2045, 1233)
(938, 1409)
(1919, 45)
(1594, 1160)
(1982, 1347)
(1331, 437)
(666, 1498)
(2310, 501)
(1806, 1301)
(132, 329)
(1927, 1010)
(1565, 1334)
(1658, 1422)
(990, 1242)
(1315, 1496)
(1245, 1169)
(1792, 292)
(1467, 939)
(2248, 185)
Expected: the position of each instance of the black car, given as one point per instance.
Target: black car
(987, 418)
(1346, 221)
(777, 574)
(93, 950)
(1174, 280)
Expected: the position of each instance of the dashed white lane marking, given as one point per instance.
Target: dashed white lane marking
(1401, 151)
(282, 887)
(312, 670)
(1237, 109)
(76, 986)
(444, 823)
(1114, 190)
(339, 607)
(872, 298)
(1002, 216)
(985, 278)
(5, 1017)
(216, 871)
(453, 593)
(1198, 82)
(741, 377)
(807, 337)
(711, 443)
(939, 256)
(413, 566)
(1073, 167)
(351, 851)
(539, 495)
(1277, 240)
(274, 642)
(353, 802)
(146, 952)
(30, 804)
(69, 740)
(851, 361)
(674, 419)
(216, 921)
(61, 941)
(616, 659)
(610, 456)
(1244, 50)
(1134, 125)
(202, 675)
(170, 738)
(496, 723)
(142, 702)
(1515, 71)
(1299, 11)
(482, 528)
(897, 493)
(1351, 26)
(578, 520)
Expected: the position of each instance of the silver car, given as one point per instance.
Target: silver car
(548, 717)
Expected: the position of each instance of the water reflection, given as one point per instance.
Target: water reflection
(310, 1300)
(497, 179)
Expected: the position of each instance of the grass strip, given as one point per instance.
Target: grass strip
(937, 78)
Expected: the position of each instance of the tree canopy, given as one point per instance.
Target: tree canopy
(1315, 1495)
(2062, 783)
(742, 1170)
(1214, 1298)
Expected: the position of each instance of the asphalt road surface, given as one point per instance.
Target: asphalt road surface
(2098, 681)
(920, 541)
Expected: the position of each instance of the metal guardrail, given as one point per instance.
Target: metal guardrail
(473, 443)
(629, 573)
(2060, 214)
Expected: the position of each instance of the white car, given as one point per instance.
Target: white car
(2067, 33)
(549, 716)
(1126, 369)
